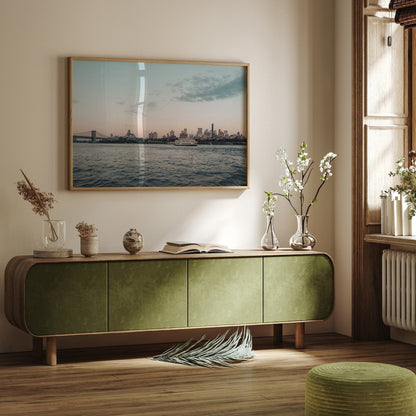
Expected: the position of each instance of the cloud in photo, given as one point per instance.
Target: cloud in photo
(207, 88)
(151, 104)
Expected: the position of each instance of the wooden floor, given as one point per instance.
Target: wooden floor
(125, 381)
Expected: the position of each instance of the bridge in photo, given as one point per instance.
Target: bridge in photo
(91, 136)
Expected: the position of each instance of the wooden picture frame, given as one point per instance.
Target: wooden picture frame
(153, 124)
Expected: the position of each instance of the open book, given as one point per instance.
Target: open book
(182, 247)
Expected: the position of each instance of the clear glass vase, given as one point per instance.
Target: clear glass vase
(269, 240)
(302, 239)
(53, 234)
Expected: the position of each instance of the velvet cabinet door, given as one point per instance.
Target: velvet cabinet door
(148, 294)
(298, 288)
(65, 298)
(224, 291)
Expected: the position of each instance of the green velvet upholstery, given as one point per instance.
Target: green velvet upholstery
(225, 291)
(360, 389)
(298, 288)
(147, 294)
(66, 298)
(86, 296)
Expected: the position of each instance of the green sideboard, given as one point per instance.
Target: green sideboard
(113, 293)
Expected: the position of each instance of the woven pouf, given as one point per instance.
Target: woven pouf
(360, 389)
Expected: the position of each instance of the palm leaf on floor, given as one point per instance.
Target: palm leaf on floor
(220, 351)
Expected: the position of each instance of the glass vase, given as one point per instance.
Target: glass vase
(53, 234)
(269, 240)
(302, 239)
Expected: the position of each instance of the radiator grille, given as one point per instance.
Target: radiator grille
(399, 289)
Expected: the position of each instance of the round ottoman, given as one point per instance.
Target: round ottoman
(360, 389)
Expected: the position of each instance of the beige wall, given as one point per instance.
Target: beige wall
(290, 47)
(343, 146)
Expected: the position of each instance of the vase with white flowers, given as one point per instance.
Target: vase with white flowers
(293, 182)
(269, 240)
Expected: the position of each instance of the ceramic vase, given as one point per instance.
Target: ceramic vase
(133, 241)
(89, 246)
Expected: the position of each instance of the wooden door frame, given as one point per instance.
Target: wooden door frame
(367, 321)
(357, 158)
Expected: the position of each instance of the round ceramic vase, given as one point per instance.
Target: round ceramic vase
(133, 241)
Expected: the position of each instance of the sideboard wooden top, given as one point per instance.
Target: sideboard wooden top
(157, 255)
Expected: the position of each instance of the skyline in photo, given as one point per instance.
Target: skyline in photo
(113, 97)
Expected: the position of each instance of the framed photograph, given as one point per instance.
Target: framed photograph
(142, 124)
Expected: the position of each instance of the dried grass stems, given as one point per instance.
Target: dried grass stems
(86, 230)
(42, 202)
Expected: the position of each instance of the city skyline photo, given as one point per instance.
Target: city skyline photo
(113, 97)
(157, 124)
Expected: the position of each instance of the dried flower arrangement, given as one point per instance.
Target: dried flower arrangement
(42, 201)
(86, 230)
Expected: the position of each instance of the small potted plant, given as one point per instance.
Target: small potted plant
(88, 237)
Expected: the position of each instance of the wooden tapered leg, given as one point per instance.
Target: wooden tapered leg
(300, 335)
(37, 346)
(51, 350)
(277, 334)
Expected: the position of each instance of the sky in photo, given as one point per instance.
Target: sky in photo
(113, 97)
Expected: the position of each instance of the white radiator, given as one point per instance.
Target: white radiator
(399, 289)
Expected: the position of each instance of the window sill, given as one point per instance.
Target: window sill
(403, 241)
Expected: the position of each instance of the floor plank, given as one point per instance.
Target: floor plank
(126, 381)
